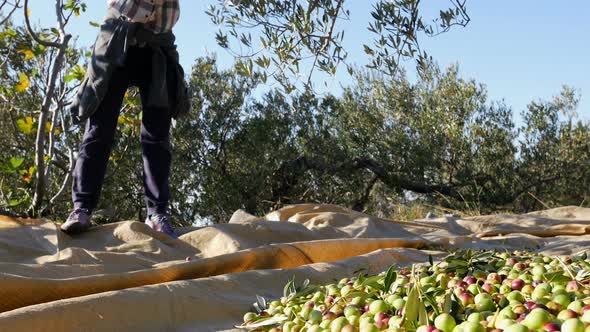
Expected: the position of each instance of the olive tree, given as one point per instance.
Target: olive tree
(555, 157)
(278, 38)
(43, 65)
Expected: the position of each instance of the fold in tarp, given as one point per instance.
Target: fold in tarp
(22, 291)
(125, 277)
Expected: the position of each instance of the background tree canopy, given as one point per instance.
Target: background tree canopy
(388, 145)
(384, 142)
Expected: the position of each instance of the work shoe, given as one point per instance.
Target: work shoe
(161, 223)
(77, 222)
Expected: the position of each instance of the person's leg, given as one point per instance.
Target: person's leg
(96, 146)
(157, 157)
(155, 144)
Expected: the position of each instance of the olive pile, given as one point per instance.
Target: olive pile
(465, 292)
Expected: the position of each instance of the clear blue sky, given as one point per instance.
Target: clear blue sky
(522, 50)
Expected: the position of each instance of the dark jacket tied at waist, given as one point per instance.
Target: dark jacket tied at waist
(110, 50)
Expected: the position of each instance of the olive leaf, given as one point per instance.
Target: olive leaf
(291, 291)
(462, 262)
(583, 275)
(390, 278)
(456, 264)
(448, 304)
(412, 305)
(289, 287)
(581, 256)
(260, 304)
(431, 302)
(361, 277)
(483, 256)
(434, 291)
(305, 283)
(422, 314)
(372, 282)
(556, 277)
(266, 321)
(306, 291)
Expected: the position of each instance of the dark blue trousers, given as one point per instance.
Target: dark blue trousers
(99, 135)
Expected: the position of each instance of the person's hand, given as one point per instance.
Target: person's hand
(70, 120)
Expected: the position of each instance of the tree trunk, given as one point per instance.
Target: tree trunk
(40, 171)
(58, 65)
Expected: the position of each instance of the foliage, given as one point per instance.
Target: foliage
(555, 153)
(384, 142)
(279, 38)
(26, 67)
(434, 143)
(206, 144)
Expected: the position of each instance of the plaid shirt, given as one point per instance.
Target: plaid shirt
(158, 15)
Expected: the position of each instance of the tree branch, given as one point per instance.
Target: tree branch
(55, 68)
(289, 172)
(14, 8)
(32, 33)
(361, 203)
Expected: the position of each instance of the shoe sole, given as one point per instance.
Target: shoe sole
(74, 229)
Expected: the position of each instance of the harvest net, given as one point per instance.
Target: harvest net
(126, 277)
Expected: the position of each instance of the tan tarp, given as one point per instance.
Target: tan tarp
(125, 277)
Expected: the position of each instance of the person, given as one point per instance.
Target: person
(135, 46)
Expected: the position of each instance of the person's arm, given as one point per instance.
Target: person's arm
(141, 11)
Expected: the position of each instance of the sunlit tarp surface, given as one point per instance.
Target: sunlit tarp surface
(125, 277)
